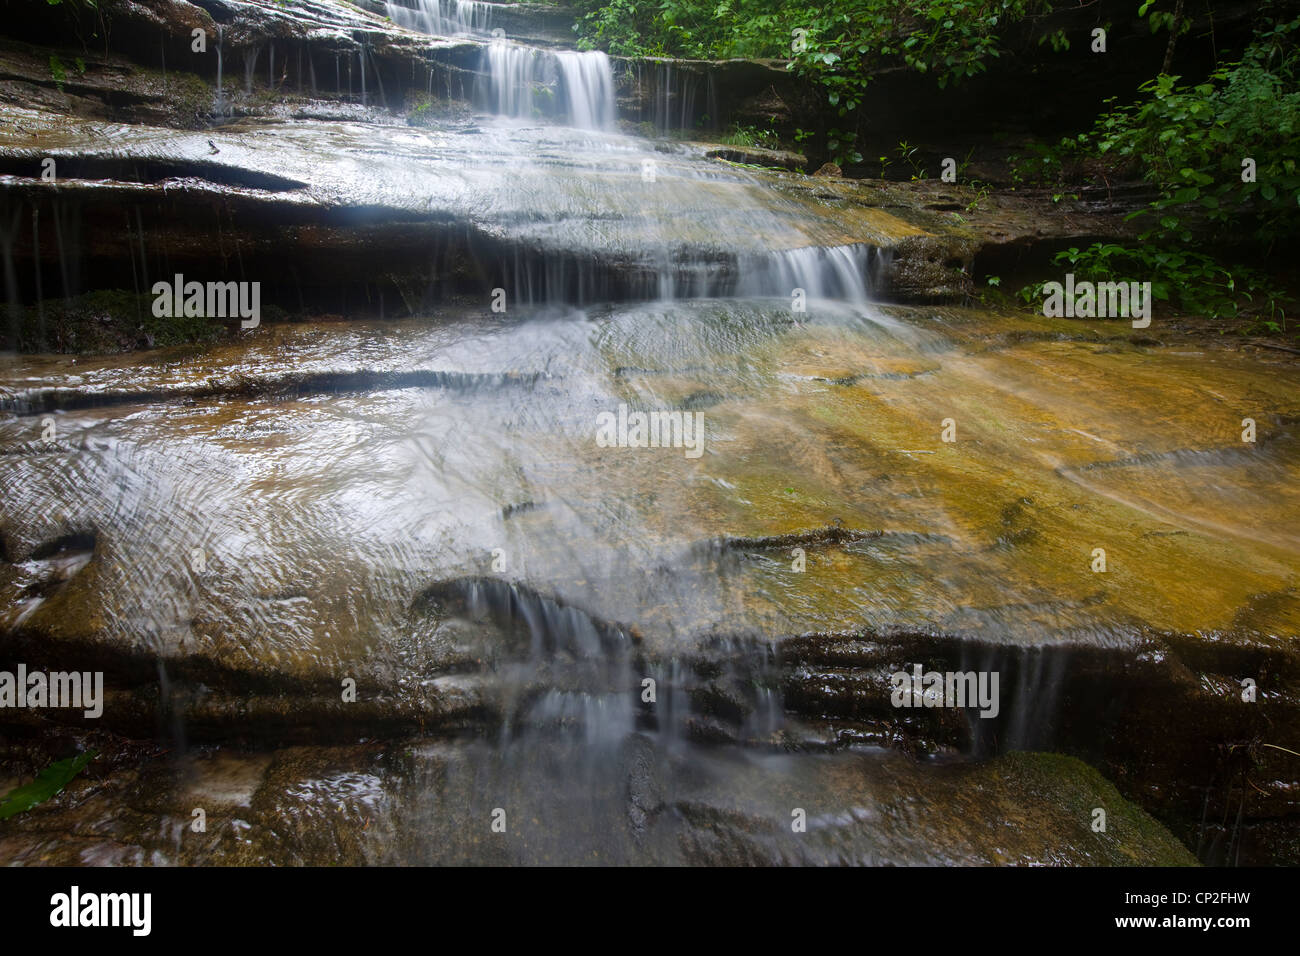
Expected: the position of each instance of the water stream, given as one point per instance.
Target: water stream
(617, 647)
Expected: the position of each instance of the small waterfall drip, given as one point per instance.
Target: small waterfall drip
(219, 106)
(671, 97)
(525, 82)
(250, 64)
(361, 58)
(1032, 683)
(443, 18)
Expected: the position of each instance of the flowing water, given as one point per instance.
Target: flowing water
(617, 648)
(523, 82)
(443, 17)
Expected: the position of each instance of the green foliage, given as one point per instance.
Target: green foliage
(1190, 142)
(982, 191)
(1162, 19)
(48, 783)
(837, 45)
(839, 143)
(1058, 39)
(1193, 280)
(752, 136)
(59, 72)
(907, 153)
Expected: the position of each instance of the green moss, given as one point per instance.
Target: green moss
(106, 321)
(1076, 790)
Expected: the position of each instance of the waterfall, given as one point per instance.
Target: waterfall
(250, 64)
(843, 273)
(823, 272)
(219, 105)
(588, 84)
(591, 665)
(442, 18)
(523, 81)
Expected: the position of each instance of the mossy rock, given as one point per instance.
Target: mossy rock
(1075, 791)
(115, 320)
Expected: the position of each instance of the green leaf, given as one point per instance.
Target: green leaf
(48, 783)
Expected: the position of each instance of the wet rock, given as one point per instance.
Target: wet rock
(645, 792)
(780, 159)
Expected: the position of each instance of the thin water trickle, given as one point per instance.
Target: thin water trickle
(219, 107)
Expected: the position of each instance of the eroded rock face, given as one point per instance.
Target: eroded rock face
(288, 539)
(426, 511)
(327, 223)
(423, 803)
(332, 223)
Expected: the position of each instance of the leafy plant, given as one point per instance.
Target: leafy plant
(1220, 157)
(59, 72)
(839, 143)
(48, 783)
(907, 153)
(751, 136)
(836, 45)
(982, 191)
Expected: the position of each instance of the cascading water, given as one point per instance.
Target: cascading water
(520, 81)
(587, 82)
(219, 106)
(570, 674)
(672, 96)
(570, 715)
(838, 272)
(525, 82)
(443, 17)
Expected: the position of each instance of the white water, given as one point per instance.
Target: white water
(588, 84)
(443, 18)
(822, 272)
(577, 89)
(525, 82)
